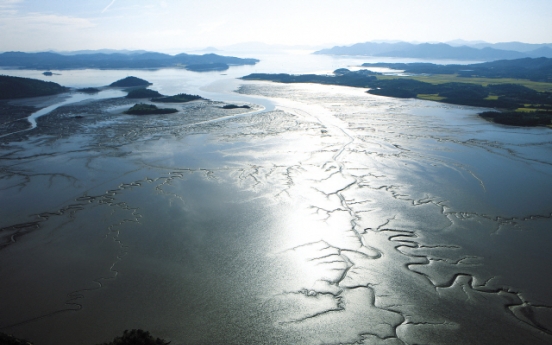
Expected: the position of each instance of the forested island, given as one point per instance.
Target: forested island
(89, 90)
(155, 96)
(130, 82)
(234, 106)
(149, 109)
(180, 98)
(517, 104)
(150, 60)
(16, 87)
(143, 93)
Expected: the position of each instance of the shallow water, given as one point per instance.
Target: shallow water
(326, 215)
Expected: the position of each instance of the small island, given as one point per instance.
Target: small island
(16, 87)
(90, 90)
(149, 109)
(130, 82)
(180, 98)
(48, 73)
(233, 106)
(143, 93)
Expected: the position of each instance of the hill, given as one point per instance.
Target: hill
(130, 82)
(16, 87)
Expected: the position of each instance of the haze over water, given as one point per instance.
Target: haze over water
(323, 215)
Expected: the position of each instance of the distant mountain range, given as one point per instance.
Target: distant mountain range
(102, 51)
(477, 51)
(515, 46)
(125, 60)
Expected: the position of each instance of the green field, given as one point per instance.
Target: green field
(430, 97)
(526, 110)
(453, 78)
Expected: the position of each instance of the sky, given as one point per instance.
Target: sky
(173, 25)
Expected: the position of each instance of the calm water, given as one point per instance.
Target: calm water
(323, 215)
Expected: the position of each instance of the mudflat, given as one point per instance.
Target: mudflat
(333, 217)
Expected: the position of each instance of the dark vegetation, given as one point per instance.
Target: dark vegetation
(233, 106)
(133, 337)
(514, 118)
(6, 339)
(358, 79)
(47, 61)
(180, 98)
(136, 337)
(130, 82)
(15, 87)
(149, 109)
(143, 93)
(535, 107)
(48, 73)
(532, 69)
(90, 90)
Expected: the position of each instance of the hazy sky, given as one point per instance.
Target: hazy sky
(168, 25)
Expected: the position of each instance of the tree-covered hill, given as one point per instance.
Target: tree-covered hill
(16, 87)
(149, 109)
(180, 98)
(130, 82)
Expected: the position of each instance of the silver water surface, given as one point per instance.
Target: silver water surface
(326, 215)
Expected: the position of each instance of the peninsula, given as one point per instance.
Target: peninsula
(16, 87)
(522, 102)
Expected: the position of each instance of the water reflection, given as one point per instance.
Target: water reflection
(330, 216)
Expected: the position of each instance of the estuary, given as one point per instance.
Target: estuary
(322, 215)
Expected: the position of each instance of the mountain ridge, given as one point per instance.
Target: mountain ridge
(49, 60)
(440, 51)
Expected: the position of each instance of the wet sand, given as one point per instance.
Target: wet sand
(336, 217)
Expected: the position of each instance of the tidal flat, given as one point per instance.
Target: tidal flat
(322, 215)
